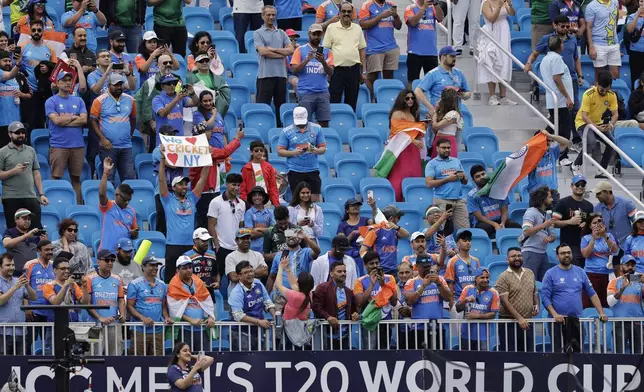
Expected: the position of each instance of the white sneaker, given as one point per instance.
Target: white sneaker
(493, 101)
(565, 162)
(576, 147)
(507, 101)
(576, 170)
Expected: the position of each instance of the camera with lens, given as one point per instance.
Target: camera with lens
(77, 276)
(79, 340)
(380, 271)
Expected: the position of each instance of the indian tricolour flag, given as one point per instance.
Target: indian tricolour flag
(54, 39)
(179, 298)
(515, 167)
(404, 132)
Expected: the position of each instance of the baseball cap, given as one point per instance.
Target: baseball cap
(577, 178)
(300, 116)
(465, 234)
(243, 232)
(179, 179)
(125, 244)
(21, 212)
(447, 50)
(628, 259)
(16, 126)
(415, 235)
(480, 272)
(392, 210)
(115, 79)
(202, 234)
(201, 57)
(602, 186)
(168, 78)
(424, 259)
(433, 210)
(639, 215)
(341, 242)
(117, 35)
(352, 202)
(105, 254)
(183, 260)
(167, 129)
(150, 35)
(289, 233)
(292, 33)
(315, 27)
(62, 75)
(151, 260)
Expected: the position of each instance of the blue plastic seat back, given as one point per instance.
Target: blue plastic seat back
(88, 219)
(521, 48)
(525, 22)
(342, 118)
(386, 90)
(226, 47)
(60, 194)
(245, 69)
(381, 188)
(333, 144)
(89, 191)
(413, 219)
(332, 218)
(337, 191)
(415, 191)
(50, 217)
(226, 19)
(198, 19)
(506, 239)
(351, 166)
(363, 97)
(486, 145)
(493, 259)
(157, 239)
(258, 116)
(376, 117)
(368, 143)
(239, 95)
(516, 211)
(633, 146)
(45, 170)
(402, 72)
(143, 164)
(470, 159)
(496, 269)
(286, 113)
(143, 196)
(40, 141)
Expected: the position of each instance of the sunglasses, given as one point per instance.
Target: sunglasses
(70, 230)
(36, 30)
(21, 132)
(580, 185)
(410, 98)
(204, 43)
(110, 260)
(166, 63)
(344, 12)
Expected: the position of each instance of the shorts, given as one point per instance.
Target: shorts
(607, 55)
(318, 103)
(311, 178)
(71, 158)
(387, 61)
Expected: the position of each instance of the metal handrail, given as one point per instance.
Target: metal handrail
(588, 157)
(555, 125)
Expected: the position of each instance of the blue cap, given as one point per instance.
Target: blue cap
(352, 202)
(124, 244)
(627, 259)
(577, 178)
(447, 50)
(62, 74)
(480, 272)
(168, 78)
(105, 254)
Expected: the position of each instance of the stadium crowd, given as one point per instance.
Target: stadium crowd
(259, 238)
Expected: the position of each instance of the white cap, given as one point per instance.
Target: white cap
(300, 116)
(183, 260)
(178, 179)
(202, 234)
(415, 235)
(638, 215)
(150, 35)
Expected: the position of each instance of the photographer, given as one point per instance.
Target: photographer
(21, 241)
(13, 291)
(64, 289)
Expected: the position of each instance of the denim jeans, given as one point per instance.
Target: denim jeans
(133, 36)
(123, 158)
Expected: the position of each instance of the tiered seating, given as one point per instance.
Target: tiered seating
(352, 166)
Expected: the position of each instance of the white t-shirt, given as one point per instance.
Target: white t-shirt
(255, 258)
(248, 6)
(227, 220)
(259, 176)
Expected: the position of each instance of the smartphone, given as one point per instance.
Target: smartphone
(118, 67)
(11, 41)
(633, 277)
(41, 232)
(369, 194)
(77, 276)
(320, 50)
(17, 50)
(161, 43)
(448, 207)
(73, 56)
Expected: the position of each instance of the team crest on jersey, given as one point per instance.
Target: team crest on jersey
(113, 284)
(461, 268)
(605, 103)
(258, 291)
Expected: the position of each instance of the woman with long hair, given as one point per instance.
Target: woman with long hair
(350, 228)
(35, 11)
(634, 244)
(597, 245)
(207, 115)
(259, 172)
(202, 42)
(184, 374)
(149, 52)
(447, 121)
(406, 133)
(304, 213)
(298, 296)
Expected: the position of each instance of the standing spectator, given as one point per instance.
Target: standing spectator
(208, 117)
(246, 13)
(67, 115)
(119, 219)
(446, 175)
(378, 21)
(39, 272)
(289, 14)
(275, 237)
(447, 122)
(248, 301)
(541, 24)
(383, 238)
(204, 261)
(329, 12)
(569, 214)
(79, 262)
(168, 106)
(572, 10)
(202, 42)
(85, 14)
(78, 48)
(346, 41)
(147, 304)
(244, 253)
(545, 174)
(169, 23)
(273, 47)
(127, 16)
(537, 232)
(478, 302)
(495, 13)
(625, 299)
(225, 216)
(21, 240)
(113, 120)
(320, 268)
(617, 212)
(460, 269)
(636, 100)
(36, 12)
(124, 267)
(37, 54)
(64, 289)
(349, 227)
(97, 79)
(300, 143)
(561, 295)
(259, 173)
(181, 374)
(418, 243)
(258, 218)
(118, 53)
(203, 76)
(298, 301)
(634, 25)
(16, 90)
(300, 257)
(519, 301)
(487, 213)
(422, 49)
(470, 10)
(597, 247)
(439, 225)
(601, 34)
(20, 173)
(171, 172)
(305, 213)
(313, 70)
(179, 208)
(13, 292)
(333, 302)
(150, 52)
(634, 244)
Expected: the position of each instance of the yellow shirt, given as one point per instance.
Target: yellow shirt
(345, 43)
(595, 106)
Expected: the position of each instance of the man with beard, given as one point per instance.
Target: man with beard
(419, 246)
(117, 52)
(22, 240)
(320, 268)
(204, 261)
(537, 232)
(569, 214)
(478, 302)
(519, 301)
(274, 238)
(84, 14)
(487, 213)
(561, 295)
(300, 259)
(19, 173)
(625, 300)
(64, 289)
(113, 120)
(13, 85)
(244, 253)
(124, 267)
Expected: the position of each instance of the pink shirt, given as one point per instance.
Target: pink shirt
(294, 302)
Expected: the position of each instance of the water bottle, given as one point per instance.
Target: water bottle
(89, 387)
(577, 213)
(548, 214)
(279, 323)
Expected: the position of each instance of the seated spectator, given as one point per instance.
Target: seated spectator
(634, 244)
(320, 268)
(636, 99)
(168, 106)
(202, 42)
(13, 291)
(64, 289)
(204, 261)
(383, 237)
(597, 246)
(244, 253)
(189, 300)
(124, 267)
(248, 301)
(36, 11)
(625, 299)
(119, 219)
(207, 116)
(258, 218)
(181, 374)
(259, 172)
(447, 121)
(304, 213)
(80, 262)
(147, 304)
(150, 52)
(171, 172)
(86, 15)
(298, 299)
(20, 241)
(478, 302)
(275, 238)
(545, 174)
(537, 232)
(203, 77)
(349, 227)
(333, 301)
(487, 213)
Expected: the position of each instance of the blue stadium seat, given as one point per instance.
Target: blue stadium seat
(152, 220)
(249, 41)
(286, 113)
(279, 163)
(143, 196)
(45, 171)
(484, 144)
(404, 249)
(220, 33)
(138, 144)
(525, 22)
(55, 17)
(342, 118)
(158, 243)
(633, 145)
(40, 141)
(376, 116)
(332, 218)
(88, 219)
(215, 6)
(325, 171)
(516, 211)
(307, 21)
(364, 96)
(468, 119)
(244, 67)
(415, 191)
(60, 194)
(183, 67)
(521, 49)
(333, 143)
(239, 95)
(325, 244)
(352, 166)
(499, 157)
(198, 19)
(501, 258)
(625, 71)
(413, 219)
(237, 162)
(401, 72)
(337, 191)
(89, 192)
(386, 90)
(469, 159)
(226, 47)
(587, 68)
(367, 142)
(258, 116)
(619, 132)
(50, 217)
(57, 5)
(273, 139)
(507, 238)
(622, 87)
(382, 190)
(481, 243)
(226, 19)
(468, 131)
(496, 269)
(250, 134)
(230, 119)
(144, 167)
(96, 241)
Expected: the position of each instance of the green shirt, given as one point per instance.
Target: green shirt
(125, 12)
(169, 13)
(539, 13)
(21, 185)
(14, 10)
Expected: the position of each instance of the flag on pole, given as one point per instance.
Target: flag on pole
(403, 132)
(515, 167)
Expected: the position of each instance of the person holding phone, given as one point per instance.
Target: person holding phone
(625, 295)
(170, 25)
(85, 14)
(597, 246)
(148, 59)
(422, 49)
(305, 213)
(183, 374)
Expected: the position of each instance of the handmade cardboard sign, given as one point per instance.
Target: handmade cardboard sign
(187, 151)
